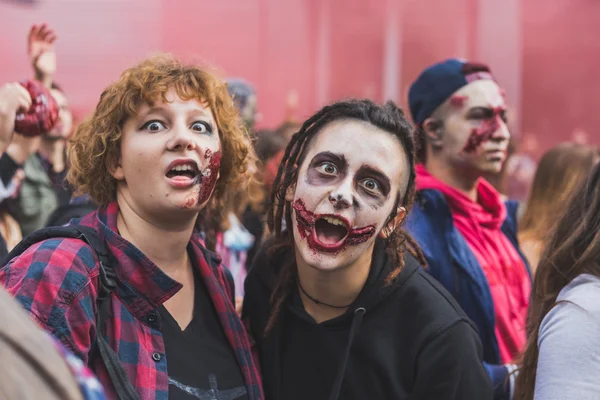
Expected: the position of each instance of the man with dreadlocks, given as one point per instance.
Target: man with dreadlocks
(466, 231)
(338, 302)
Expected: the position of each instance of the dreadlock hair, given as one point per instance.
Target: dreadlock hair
(389, 118)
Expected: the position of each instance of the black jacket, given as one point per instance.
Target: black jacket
(405, 340)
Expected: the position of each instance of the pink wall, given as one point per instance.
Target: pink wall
(541, 52)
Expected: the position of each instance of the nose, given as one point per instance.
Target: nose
(501, 133)
(342, 196)
(181, 138)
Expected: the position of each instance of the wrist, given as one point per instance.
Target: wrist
(17, 153)
(46, 79)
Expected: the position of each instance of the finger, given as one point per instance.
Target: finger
(47, 33)
(25, 100)
(42, 31)
(52, 38)
(32, 31)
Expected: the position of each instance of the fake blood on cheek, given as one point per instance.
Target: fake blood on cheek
(484, 132)
(206, 180)
(306, 221)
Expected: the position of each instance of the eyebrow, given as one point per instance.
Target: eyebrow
(378, 174)
(328, 154)
(164, 110)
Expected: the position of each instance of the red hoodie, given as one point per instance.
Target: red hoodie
(479, 223)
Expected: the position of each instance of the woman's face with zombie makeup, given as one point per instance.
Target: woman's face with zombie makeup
(169, 158)
(474, 134)
(347, 187)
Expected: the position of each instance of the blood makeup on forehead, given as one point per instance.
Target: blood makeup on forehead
(485, 131)
(458, 101)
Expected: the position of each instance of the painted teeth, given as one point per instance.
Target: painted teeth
(184, 167)
(334, 221)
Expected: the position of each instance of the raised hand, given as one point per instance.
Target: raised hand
(40, 47)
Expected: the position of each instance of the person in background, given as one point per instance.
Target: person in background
(34, 366)
(13, 98)
(244, 98)
(163, 139)
(559, 172)
(338, 302)
(467, 233)
(44, 187)
(561, 360)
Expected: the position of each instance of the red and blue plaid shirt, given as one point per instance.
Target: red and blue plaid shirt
(56, 280)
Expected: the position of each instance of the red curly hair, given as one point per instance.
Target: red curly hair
(96, 143)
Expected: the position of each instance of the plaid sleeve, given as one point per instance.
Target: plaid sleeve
(90, 387)
(53, 281)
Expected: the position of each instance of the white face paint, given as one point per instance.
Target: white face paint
(475, 134)
(347, 187)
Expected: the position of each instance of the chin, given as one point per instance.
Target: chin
(330, 262)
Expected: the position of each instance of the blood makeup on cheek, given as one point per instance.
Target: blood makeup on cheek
(484, 132)
(209, 176)
(306, 225)
(206, 181)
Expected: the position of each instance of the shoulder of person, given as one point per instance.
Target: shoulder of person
(50, 273)
(428, 302)
(578, 304)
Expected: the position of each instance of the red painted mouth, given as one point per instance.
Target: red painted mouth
(328, 233)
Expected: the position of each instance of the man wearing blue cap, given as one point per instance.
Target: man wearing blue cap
(466, 231)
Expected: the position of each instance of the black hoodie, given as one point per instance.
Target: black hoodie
(405, 340)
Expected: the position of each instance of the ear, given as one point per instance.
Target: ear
(113, 164)
(290, 193)
(433, 129)
(393, 224)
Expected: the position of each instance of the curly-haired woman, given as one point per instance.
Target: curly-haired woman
(162, 140)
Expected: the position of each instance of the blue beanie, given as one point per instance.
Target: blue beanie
(438, 82)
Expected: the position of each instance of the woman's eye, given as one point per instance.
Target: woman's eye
(153, 126)
(327, 168)
(202, 127)
(371, 185)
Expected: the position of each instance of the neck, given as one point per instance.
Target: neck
(338, 288)
(462, 179)
(165, 246)
(44, 78)
(54, 151)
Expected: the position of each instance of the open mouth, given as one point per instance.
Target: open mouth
(330, 230)
(183, 172)
(328, 233)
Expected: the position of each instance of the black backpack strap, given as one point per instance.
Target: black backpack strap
(107, 284)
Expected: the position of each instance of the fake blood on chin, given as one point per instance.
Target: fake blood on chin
(316, 236)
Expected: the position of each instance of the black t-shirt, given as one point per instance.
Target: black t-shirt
(200, 361)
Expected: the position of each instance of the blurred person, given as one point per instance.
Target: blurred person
(32, 366)
(44, 188)
(13, 98)
(561, 360)
(244, 98)
(467, 233)
(520, 169)
(338, 302)
(163, 139)
(559, 172)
